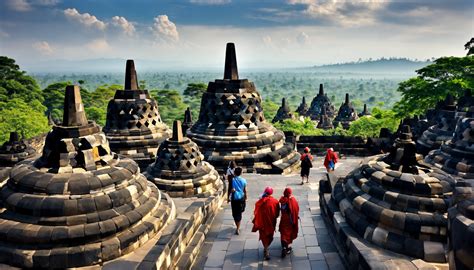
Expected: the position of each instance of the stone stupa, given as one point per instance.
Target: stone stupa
(284, 112)
(320, 100)
(346, 114)
(134, 127)
(180, 169)
(303, 108)
(443, 129)
(188, 120)
(397, 203)
(364, 112)
(231, 126)
(324, 121)
(79, 204)
(15, 150)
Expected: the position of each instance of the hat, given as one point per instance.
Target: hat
(306, 149)
(268, 190)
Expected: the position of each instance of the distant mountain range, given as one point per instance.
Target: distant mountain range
(383, 65)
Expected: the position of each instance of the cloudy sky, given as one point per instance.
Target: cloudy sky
(267, 33)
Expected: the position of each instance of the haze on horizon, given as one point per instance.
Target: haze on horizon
(268, 33)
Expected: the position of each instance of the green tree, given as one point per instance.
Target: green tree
(446, 75)
(27, 119)
(195, 90)
(171, 105)
(270, 108)
(469, 46)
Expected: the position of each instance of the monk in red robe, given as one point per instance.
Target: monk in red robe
(289, 220)
(266, 213)
(330, 160)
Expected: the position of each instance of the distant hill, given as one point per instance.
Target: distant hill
(383, 65)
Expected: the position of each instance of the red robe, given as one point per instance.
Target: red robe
(330, 155)
(289, 219)
(266, 213)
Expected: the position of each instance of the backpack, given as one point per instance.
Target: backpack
(307, 161)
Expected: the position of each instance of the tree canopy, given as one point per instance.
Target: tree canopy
(447, 75)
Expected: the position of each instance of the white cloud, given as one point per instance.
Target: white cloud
(19, 5)
(267, 40)
(98, 45)
(127, 27)
(302, 38)
(164, 29)
(43, 47)
(85, 18)
(346, 13)
(47, 2)
(210, 2)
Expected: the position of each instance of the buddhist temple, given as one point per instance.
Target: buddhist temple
(188, 120)
(324, 121)
(231, 126)
(180, 170)
(445, 122)
(284, 112)
(134, 127)
(346, 114)
(396, 203)
(303, 108)
(79, 204)
(321, 100)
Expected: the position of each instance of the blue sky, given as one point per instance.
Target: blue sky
(267, 33)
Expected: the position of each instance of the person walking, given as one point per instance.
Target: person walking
(238, 197)
(229, 175)
(330, 160)
(288, 221)
(306, 164)
(266, 212)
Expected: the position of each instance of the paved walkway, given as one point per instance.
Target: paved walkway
(313, 249)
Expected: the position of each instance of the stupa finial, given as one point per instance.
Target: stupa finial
(321, 89)
(74, 114)
(14, 137)
(347, 98)
(131, 79)
(230, 72)
(177, 131)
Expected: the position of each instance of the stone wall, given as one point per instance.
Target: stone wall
(353, 146)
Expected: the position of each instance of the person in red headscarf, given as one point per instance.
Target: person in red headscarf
(266, 213)
(330, 160)
(289, 220)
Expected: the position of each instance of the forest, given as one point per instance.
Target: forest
(26, 100)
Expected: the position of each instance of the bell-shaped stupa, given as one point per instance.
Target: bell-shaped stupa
(324, 121)
(79, 204)
(284, 112)
(231, 126)
(398, 203)
(346, 114)
(188, 120)
(365, 111)
(303, 108)
(180, 169)
(445, 123)
(15, 150)
(134, 127)
(319, 101)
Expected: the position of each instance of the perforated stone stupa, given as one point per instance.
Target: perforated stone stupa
(231, 126)
(284, 112)
(180, 169)
(79, 204)
(396, 203)
(303, 108)
(346, 114)
(324, 121)
(14, 151)
(319, 101)
(445, 123)
(188, 120)
(134, 127)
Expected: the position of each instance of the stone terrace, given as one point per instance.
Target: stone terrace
(313, 249)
